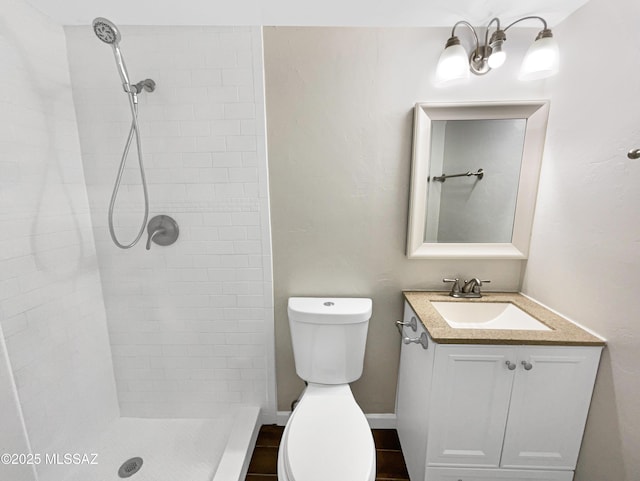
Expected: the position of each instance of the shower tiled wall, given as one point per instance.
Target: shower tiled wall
(191, 325)
(51, 308)
(13, 437)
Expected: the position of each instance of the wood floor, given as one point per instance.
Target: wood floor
(390, 464)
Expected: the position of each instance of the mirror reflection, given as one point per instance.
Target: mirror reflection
(473, 180)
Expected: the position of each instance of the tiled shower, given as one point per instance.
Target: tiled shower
(53, 314)
(187, 322)
(92, 332)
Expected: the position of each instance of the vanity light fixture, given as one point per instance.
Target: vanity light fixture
(540, 61)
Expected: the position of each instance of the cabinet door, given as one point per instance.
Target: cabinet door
(469, 404)
(549, 406)
(412, 402)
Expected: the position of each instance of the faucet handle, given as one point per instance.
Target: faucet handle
(157, 232)
(163, 230)
(475, 285)
(483, 282)
(455, 288)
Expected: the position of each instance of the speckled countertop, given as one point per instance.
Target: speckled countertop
(563, 332)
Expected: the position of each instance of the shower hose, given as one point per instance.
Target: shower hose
(133, 131)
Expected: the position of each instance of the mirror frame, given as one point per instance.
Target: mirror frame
(536, 114)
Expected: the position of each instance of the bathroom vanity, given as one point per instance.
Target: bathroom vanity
(491, 404)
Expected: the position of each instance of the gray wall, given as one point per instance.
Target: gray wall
(338, 110)
(472, 209)
(339, 129)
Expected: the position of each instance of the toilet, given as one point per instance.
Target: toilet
(327, 437)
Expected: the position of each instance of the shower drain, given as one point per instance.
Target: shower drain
(130, 467)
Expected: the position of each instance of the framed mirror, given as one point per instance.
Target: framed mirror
(474, 179)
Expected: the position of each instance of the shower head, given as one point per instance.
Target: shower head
(106, 31)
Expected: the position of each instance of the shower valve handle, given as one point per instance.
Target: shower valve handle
(153, 235)
(162, 230)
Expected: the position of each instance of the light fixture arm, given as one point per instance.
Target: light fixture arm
(479, 54)
(467, 24)
(544, 22)
(486, 33)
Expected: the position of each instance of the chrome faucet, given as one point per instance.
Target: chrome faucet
(470, 289)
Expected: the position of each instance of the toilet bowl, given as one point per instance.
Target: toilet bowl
(327, 437)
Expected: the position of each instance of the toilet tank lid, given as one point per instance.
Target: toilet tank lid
(329, 310)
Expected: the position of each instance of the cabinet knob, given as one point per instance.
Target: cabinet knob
(527, 365)
(510, 365)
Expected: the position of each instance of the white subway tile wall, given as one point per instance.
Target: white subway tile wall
(51, 307)
(191, 325)
(13, 437)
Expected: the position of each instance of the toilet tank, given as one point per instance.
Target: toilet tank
(329, 337)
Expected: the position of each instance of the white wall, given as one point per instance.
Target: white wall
(51, 308)
(340, 108)
(191, 325)
(585, 253)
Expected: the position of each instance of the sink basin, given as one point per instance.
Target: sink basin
(487, 315)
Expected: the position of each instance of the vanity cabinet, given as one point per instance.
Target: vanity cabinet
(488, 415)
(492, 411)
(414, 386)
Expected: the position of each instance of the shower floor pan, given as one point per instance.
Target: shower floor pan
(176, 449)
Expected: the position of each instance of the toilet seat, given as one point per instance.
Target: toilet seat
(327, 437)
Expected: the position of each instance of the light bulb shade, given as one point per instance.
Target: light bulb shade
(453, 64)
(542, 59)
(498, 56)
(496, 45)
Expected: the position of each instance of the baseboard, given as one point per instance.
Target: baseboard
(382, 420)
(282, 417)
(376, 421)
